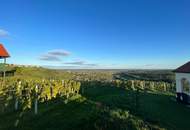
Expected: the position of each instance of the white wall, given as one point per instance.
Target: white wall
(179, 77)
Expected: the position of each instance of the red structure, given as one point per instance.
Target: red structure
(4, 69)
(3, 53)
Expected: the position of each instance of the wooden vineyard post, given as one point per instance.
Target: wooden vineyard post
(142, 84)
(16, 104)
(62, 82)
(17, 95)
(152, 86)
(132, 85)
(78, 87)
(51, 90)
(165, 88)
(67, 94)
(36, 100)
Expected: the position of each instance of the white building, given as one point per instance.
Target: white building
(183, 83)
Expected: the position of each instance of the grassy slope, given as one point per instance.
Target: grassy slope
(35, 72)
(155, 108)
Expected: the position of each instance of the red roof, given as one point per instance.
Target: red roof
(184, 68)
(3, 52)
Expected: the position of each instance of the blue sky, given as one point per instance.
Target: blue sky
(122, 34)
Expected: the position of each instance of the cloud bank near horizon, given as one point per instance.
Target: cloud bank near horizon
(57, 56)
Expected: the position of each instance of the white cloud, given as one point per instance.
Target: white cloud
(47, 57)
(3, 33)
(59, 52)
(54, 55)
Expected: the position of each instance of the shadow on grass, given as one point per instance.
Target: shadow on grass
(54, 115)
(102, 107)
(78, 114)
(153, 106)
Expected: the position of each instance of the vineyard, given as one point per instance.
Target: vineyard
(25, 92)
(83, 100)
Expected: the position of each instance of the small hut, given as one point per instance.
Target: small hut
(3, 53)
(5, 70)
(183, 83)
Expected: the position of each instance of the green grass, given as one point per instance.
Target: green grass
(162, 109)
(54, 115)
(155, 109)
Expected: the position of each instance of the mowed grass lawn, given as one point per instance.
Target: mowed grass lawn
(81, 111)
(156, 107)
